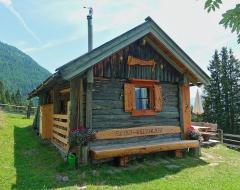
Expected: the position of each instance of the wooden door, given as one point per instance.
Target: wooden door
(46, 121)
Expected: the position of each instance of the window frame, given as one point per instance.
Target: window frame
(140, 83)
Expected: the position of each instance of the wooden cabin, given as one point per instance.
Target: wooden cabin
(133, 91)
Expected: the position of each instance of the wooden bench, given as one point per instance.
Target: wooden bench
(212, 131)
(122, 151)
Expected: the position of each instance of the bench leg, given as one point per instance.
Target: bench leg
(123, 161)
(178, 153)
(196, 151)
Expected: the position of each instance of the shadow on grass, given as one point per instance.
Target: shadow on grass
(38, 166)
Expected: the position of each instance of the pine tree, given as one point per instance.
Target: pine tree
(213, 105)
(13, 101)
(234, 92)
(8, 97)
(221, 96)
(18, 98)
(225, 83)
(2, 93)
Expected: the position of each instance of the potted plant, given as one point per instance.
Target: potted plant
(193, 134)
(205, 137)
(81, 137)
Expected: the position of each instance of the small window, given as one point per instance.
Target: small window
(142, 98)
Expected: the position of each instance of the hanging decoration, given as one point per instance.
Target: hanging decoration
(135, 61)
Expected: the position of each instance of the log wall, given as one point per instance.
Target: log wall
(116, 65)
(108, 95)
(108, 111)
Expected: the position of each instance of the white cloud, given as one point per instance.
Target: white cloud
(9, 6)
(50, 44)
(6, 3)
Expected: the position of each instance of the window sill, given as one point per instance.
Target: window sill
(143, 113)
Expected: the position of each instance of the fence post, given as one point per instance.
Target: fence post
(220, 134)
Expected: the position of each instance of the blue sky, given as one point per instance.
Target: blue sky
(54, 32)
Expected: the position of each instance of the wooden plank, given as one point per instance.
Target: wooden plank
(136, 132)
(63, 140)
(181, 111)
(74, 94)
(209, 133)
(231, 140)
(61, 131)
(60, 123)
(137, 140)
(56, 100)
(46, 121)
(81, 108)
(60, 116)
(178, 153)
(231, 135)
(123, 161)
(89, 98)
(129, 97)
(66, 90)
(143, 149)
(232, 145)
(59, 144)
(186, 109)
(133, 123)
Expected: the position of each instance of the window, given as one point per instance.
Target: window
(142, 97)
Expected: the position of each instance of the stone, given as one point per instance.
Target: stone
(65, 178)
(172, 166)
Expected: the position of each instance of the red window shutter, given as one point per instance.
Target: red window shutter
(158, 102)
(129, 97)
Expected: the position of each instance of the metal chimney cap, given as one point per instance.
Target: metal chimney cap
(90, 11)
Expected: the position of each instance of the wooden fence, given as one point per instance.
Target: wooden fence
(18, 109)
(231, 140)
(60, 130)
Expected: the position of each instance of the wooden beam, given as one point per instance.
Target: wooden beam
(60, 145)
(136, 132)
(178, 153)
(123, 161)
(66, 90)
(56, 100)
(61, 131)
(81, 109)
(185, 109)
(178, 65)
(46, 121)
(74, 93)
(164, 54)
(63, 140)
(60, 123)
(89, 98)
(143, 149)
(181, 111)
(60, 116)
(90, 79)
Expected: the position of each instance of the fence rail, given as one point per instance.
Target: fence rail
(19, 109)
(61, 131)
(231, 140)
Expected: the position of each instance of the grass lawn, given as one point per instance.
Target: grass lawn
(28, 163)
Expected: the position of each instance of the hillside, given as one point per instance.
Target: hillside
(18, 70)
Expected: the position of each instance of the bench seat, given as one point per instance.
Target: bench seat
(121, 150)
(208, 133)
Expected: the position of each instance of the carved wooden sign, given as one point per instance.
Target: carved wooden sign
(136, 132)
